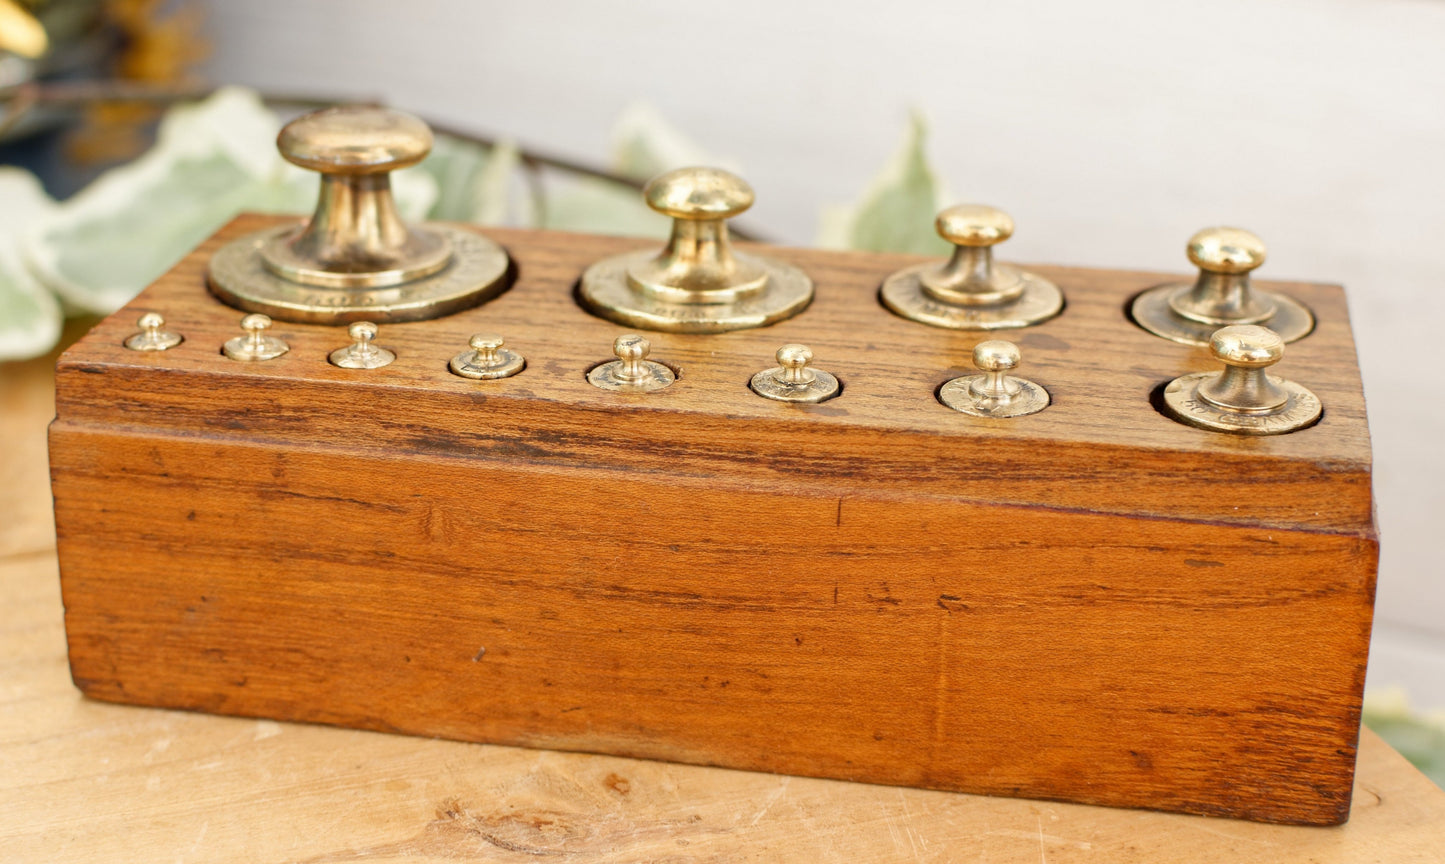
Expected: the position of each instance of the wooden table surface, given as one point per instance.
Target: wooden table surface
(86, 781)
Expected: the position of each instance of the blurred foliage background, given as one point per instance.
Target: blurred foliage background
(116, 159)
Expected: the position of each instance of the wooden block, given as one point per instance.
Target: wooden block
(1093, 604)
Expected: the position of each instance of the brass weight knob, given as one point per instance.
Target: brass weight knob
(355, 259)
(794, 379)
(356, 238)
(1242, 399)
(631, 372)
(361, 353)
(1221, 295)
(995, 393)
(488, 360)
(256, 344)
(152, 335)
(698, 283)
(971, 291)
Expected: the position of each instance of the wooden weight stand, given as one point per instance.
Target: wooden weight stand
(1093, 603)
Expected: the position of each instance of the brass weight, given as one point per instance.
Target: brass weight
(1221, 295)
(970, 291)
(355, 259)
(697, 283)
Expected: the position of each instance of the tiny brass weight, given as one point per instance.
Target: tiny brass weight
(971, 291)
(1221, 295)
(995, 393)
(153, 336)
(361, 354)
(488, 360)
(631, 372)
(256, 344)
(698, 283)
(1242, 399)
(793, 380)
(355, 259)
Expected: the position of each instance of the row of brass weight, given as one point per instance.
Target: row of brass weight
(356, 259)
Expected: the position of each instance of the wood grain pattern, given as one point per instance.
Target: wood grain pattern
(1095, 603)
(82, 780)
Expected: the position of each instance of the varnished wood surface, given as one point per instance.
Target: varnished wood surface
(87, 781)
(1101, 446)
(1102, 606)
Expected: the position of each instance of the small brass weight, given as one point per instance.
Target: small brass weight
(994, 393)
(355, 260)
(970, 291)
(1242, 399)
(697, 283)
(793, 379)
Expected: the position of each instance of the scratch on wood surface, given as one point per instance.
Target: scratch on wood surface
(772, 799)
(1039, 835)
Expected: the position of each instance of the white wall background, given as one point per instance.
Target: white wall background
(1111, 130)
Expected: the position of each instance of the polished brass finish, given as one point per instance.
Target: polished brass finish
(238, 276)
(631, 372)
(1190, 312)
(153, 336)
(995, 393)
(361, 354)
(255, 345)
(793, 380)
(971, 291)
(355, 259)
(487, 360)
(1242, 399)
(698, 283)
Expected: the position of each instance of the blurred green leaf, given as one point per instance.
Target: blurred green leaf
(1419, 738)
(643, 146)
(896, 212)
(473, 183)
(30, 318)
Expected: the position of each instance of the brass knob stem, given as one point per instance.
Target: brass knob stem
(698, 265)
(1243, 387)
(969, 279)
(485, 345)
(995, 359)
(356, 227)
(632, 351)
(356, 237)
(793, 368)
(1222, 298)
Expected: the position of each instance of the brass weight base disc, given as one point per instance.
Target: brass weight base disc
(607, 377)
(433, 253)
(1182, 403)
(606, 293)
(1292, 320)
(1031, 399)
(823, 387)
(507, 364)
(903, 294)
(478, 272)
